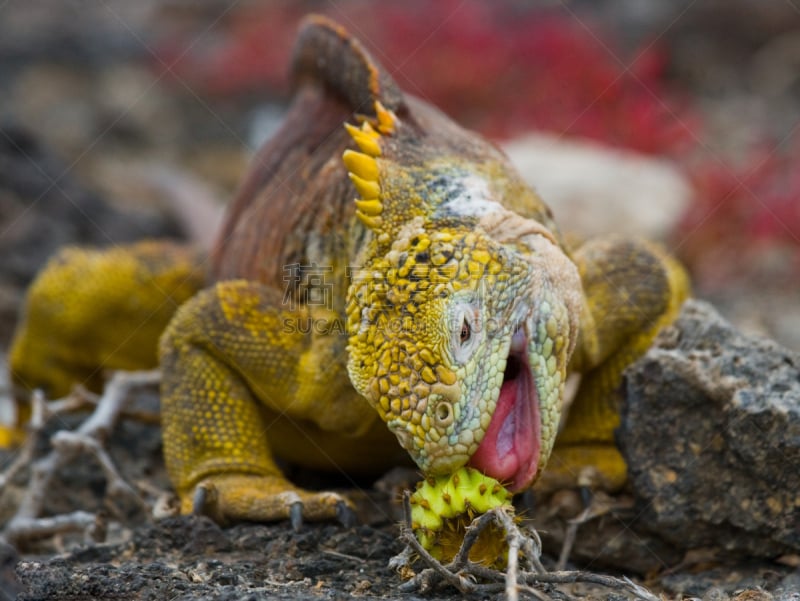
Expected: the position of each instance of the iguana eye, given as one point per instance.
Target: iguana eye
(466, 331)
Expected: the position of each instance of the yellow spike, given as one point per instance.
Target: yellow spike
(373, 223)
(369, 207)
(367, 189)
(386, 118)
(368, 145)
(365, 142)
(367, 129)
(360, 164)
(353, 130)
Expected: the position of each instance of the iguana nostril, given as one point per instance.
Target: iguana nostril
(444, 413)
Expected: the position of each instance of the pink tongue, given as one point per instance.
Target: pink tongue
(509, 450)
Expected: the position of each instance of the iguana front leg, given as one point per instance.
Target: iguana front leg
(236, 365)
(633, 289)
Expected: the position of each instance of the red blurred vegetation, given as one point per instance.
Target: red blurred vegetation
(503, 69)
(745, 220)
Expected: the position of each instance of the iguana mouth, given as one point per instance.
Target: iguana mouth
(509, 451)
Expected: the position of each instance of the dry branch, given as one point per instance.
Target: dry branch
(90, 438)
(469, 577)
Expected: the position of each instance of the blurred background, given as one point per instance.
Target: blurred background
(672, 119)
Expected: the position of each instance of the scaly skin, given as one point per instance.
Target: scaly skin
(329, 319)
(90, 311)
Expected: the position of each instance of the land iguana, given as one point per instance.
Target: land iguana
(385, 285)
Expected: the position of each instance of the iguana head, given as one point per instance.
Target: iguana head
(463, 314)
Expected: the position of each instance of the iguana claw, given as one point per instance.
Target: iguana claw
(345, 514)
(296, 515)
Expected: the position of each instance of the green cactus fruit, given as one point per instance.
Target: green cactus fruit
(443, 506)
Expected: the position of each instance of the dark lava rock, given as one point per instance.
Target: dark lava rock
(8, 579)
(722, 582)
(710, 428)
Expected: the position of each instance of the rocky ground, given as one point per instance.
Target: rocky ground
(103, 145)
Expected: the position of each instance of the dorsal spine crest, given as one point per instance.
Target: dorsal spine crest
(362, 166)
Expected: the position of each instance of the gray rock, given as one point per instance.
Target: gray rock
(710, 428)
(726, 582)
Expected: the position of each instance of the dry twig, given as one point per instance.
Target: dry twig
(600, 505)
(41, 412)
(67, 445)
(469, 577)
